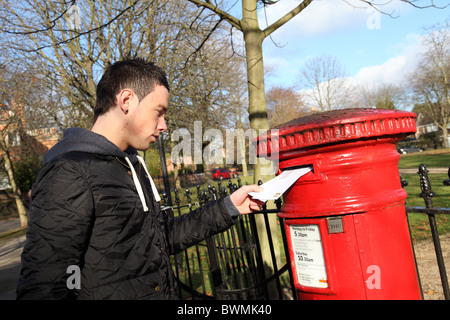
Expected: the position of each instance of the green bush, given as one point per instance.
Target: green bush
(26, 169)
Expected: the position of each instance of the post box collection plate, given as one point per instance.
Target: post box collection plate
(308, 255)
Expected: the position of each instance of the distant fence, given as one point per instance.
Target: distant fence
(230, 265)
(186, 181)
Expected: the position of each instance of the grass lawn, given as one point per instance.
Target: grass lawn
(439, 158)
(419, 224)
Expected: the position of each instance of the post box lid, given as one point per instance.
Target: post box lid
(334, 127)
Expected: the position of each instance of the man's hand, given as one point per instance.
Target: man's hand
(243, 202)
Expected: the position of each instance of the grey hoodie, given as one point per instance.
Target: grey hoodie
(79, 139)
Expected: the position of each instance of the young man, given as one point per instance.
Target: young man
(94, 206)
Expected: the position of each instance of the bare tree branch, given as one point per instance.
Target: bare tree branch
(52, 23)
(288, 16)
(224, 15)
(430, 5)
(377, 5)
(199, 48)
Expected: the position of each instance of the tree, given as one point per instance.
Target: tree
(325, 84)
(430, 82)
(210, 92)
(386, 96)
(237, 100)
(51, 37)
(12, 105)
(283, 105)
(70, 43)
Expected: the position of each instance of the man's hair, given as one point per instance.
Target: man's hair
(135, 74)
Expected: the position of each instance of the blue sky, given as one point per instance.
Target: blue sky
(372, 47)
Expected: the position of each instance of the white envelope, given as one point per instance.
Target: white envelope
(274, 188)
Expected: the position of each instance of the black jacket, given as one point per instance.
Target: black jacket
(86, 211)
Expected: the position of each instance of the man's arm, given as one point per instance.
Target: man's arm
(212, 218)
(58, 232)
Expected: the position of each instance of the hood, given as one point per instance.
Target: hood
(79, 139)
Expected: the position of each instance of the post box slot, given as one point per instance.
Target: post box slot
(314, 176)
(300, 167)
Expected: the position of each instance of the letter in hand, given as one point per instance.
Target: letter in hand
(244, 202)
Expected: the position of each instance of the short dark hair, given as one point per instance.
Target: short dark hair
(136, 74)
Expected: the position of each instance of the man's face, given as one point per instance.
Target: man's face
(146, 119)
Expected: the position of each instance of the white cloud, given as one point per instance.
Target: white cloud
(396, 69)
(392, 71)
(320, 17)
(324, 18)
(404, 59)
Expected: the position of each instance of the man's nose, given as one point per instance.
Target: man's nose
(162, 126)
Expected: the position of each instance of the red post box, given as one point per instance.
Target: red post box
(345, 220)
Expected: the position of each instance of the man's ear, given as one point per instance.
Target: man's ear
(124, 99)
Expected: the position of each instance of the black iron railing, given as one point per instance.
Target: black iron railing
(427, 194)
(230, 265)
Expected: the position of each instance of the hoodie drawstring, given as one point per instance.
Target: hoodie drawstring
(138, 184)
(155, 191)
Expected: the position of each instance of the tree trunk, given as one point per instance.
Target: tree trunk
(175, 169)
(253, 38)
(21, 209)
(241, 153)
(445, 134)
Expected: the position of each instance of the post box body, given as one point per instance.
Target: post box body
(345, 221)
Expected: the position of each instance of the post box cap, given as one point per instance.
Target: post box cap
(334, 127)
